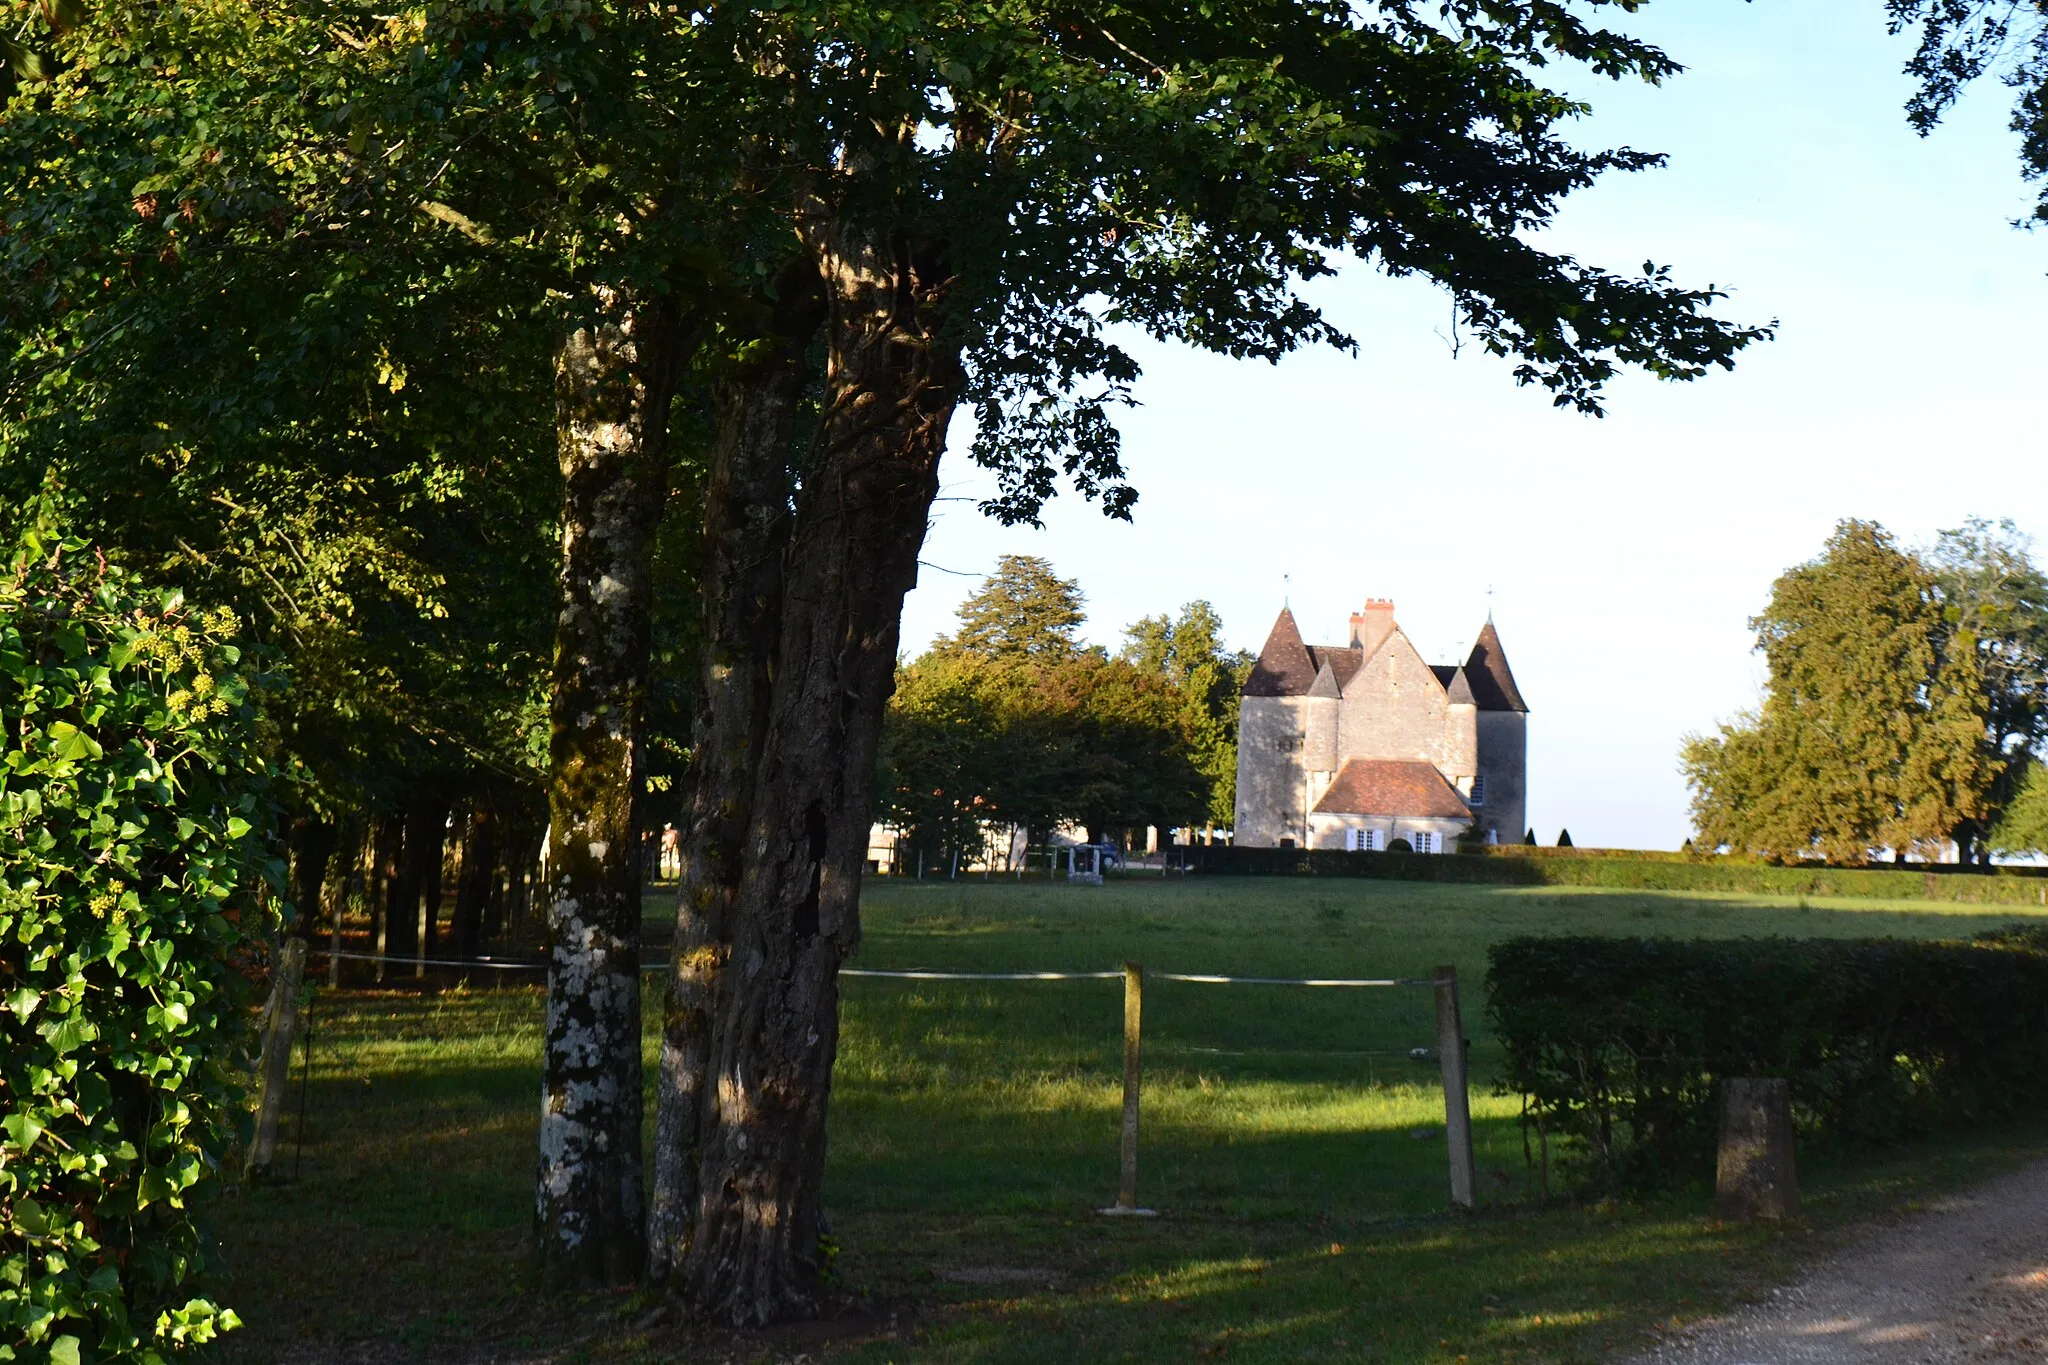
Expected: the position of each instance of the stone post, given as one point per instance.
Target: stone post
(1755, 1176)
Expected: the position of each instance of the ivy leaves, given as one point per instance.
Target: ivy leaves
(130, 846)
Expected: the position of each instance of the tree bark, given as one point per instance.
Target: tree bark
(891, 385)
(747, 518)
(614, 377)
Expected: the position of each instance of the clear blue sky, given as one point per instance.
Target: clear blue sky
(1624, 554)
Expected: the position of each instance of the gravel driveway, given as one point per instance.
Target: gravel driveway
(1964, 1280)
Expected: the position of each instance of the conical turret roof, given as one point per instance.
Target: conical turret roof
(1487, 673)
(1284, 668)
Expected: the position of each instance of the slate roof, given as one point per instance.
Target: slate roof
(1289, 668)
(1284, 668)
(1392, 787)
(1493, 685)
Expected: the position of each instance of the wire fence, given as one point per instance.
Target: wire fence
(1449, 1053)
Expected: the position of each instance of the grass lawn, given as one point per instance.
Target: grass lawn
(1294, 1149)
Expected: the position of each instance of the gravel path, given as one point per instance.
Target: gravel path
(1964, 1280)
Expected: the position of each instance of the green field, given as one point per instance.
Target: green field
(1293, 1147)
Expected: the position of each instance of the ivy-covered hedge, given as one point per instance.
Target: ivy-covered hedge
(131, 825)
(1618, 1045)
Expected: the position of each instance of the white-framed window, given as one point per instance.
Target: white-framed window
(1424, 841)
(1478, 796)
(1361, 841)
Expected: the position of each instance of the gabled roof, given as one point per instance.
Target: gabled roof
(1493, 685)
(1284, 668)
(1401, 788)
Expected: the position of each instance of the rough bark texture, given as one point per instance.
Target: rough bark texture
(747, 517)
(861, 517)
(613, 381)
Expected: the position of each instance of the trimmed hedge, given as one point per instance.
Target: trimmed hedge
(1623, 869)
(1618, 1045)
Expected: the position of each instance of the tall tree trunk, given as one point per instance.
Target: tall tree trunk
(419, 863)
(746, 531)
(479, 873)
(614, 378)
(312, 848)
(384, 887)
(868, 489)
(433, 874)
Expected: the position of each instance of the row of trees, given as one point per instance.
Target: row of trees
(558, 390)
(1011, 721)
(1904, 708)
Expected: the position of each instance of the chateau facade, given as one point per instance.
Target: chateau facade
(1354, 746)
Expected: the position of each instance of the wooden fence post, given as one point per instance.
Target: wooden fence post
(1450, 1048)
(1127, 1183)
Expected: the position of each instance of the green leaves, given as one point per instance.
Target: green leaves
(1619, 1044)
(120, 1017)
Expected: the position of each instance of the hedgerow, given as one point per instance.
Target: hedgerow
(1618, 1045)
(132, 828)
(1631, 870)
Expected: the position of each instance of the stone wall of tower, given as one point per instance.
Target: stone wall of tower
(1272, 770)
(1504, 762)
(1394, 707)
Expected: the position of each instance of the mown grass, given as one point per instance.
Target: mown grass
(1293, 1147)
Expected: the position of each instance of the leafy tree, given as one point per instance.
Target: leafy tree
(134, 807)
(1021, 611)
(1993, 595)
(961, 202)
(2022, 827)
(1037, 737)
(1871, 732)
(946, 765)
(1963, 40)
(1125, 745)
(1187, 652)
(978, 193)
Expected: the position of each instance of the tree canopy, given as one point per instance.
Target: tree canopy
(1874, 728)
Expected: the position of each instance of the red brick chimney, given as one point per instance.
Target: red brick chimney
(1371, 627)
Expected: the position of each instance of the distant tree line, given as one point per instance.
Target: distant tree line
(1012, 722)
(1904, 709)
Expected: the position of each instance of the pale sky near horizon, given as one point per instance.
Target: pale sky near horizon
(1626, 554)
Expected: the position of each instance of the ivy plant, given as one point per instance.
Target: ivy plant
(133, 836)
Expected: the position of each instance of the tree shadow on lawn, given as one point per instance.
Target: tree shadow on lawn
(407, 1238)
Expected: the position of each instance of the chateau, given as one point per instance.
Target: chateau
(1354, 746)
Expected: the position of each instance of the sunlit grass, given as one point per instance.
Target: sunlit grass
(1292, 1144)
